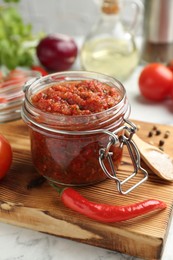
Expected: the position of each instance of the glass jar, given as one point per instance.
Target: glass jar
(11, 94)
(79, 149)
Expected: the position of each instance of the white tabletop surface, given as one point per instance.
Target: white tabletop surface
(22, 244)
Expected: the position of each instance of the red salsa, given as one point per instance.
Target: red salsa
(77, 98)
(67, 158)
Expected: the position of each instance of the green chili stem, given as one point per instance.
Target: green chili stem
(57, 188)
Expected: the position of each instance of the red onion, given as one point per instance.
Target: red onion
(57, 52)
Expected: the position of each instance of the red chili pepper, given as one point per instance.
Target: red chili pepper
(104, 212)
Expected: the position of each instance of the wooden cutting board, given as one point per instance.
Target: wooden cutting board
(41, 209)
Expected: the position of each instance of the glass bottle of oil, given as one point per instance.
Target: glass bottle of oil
(109, 48)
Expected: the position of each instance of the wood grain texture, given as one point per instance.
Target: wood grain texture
(41, 209)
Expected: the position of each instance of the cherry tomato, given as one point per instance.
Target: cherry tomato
(40, 69)
(155, 82)
(5, 156)
(16, 74)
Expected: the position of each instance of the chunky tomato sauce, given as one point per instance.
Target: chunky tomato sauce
(73, 159)
(77, 98)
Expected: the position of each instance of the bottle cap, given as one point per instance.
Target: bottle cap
(110, 6)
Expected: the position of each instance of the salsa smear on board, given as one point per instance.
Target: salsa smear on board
(73, 159)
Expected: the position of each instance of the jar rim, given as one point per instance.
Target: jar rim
(79, 73)
(32, 113)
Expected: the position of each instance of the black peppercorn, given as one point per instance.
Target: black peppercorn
(161, 143)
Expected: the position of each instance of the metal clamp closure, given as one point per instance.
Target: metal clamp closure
(106, 154)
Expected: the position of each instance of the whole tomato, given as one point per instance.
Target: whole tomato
(155, 82)
(170, 65)
(171, 94)
(5, 156)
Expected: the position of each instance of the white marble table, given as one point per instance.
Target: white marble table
(21, 244)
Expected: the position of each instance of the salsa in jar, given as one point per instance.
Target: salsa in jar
(70, 116)
(83, 97)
